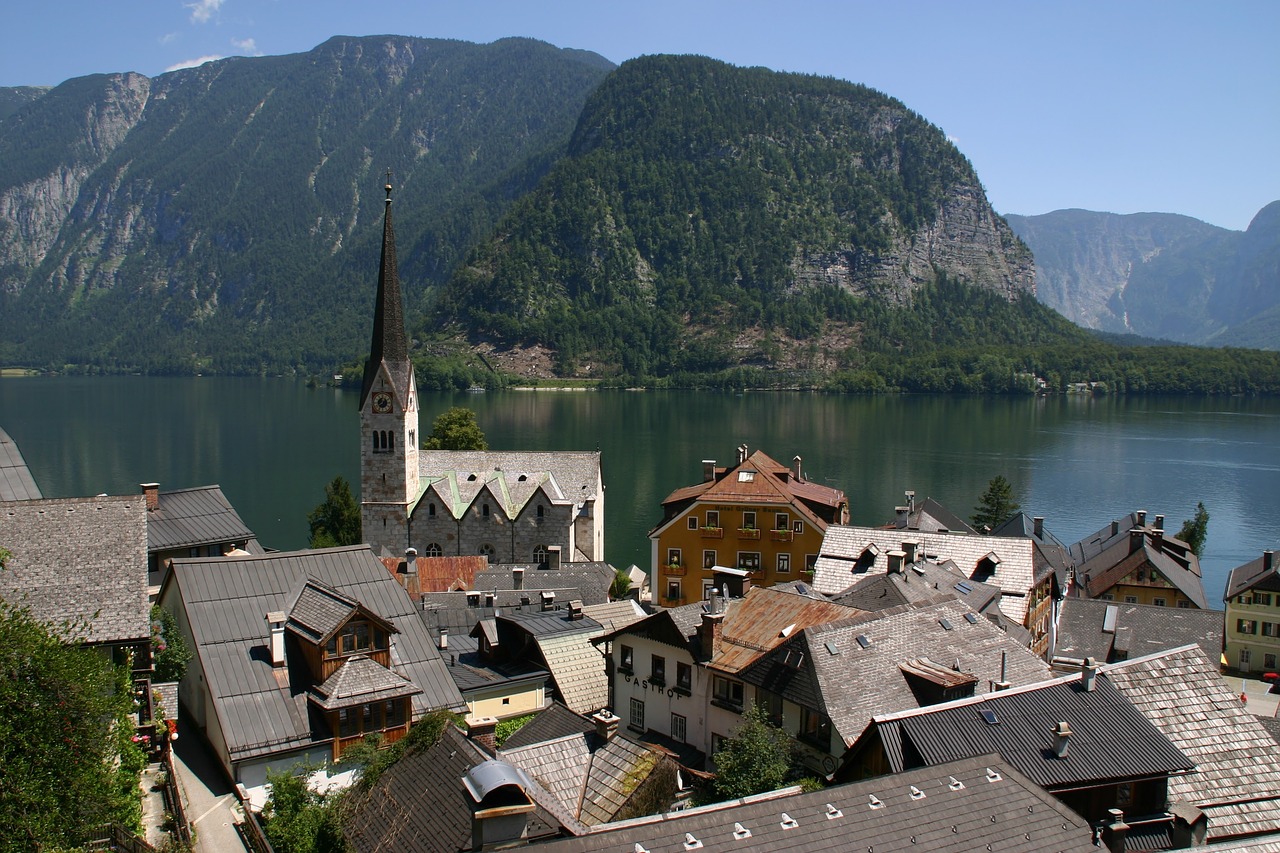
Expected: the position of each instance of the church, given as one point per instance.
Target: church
(513, 507)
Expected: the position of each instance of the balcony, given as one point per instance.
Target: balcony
(748, 533)
(675, 570)
(711, 532)
(781, 535)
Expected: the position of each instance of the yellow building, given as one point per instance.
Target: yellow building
(1253, 616)
(1143, 566)
(759, 516)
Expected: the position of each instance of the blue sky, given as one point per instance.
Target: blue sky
(1124, 106)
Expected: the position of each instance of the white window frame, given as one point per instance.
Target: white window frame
(636, 714)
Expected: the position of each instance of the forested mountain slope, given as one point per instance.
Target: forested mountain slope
(226, 217)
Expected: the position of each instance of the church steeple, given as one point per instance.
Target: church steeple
(389, 343)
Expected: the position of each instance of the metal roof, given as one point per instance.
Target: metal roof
(199, 516)
(16, 482)
(225, 600)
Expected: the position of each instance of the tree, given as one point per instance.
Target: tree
(996, 506)
(68, 764)
(169, 650)
(336, 521)
(621, 585)
(1196, 530)
(456, 429)
(299, 820)
(756, 758)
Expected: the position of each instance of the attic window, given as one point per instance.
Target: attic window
(832, 648)
(471, 478)
(946, 624)
(746, 476)
(864, 641)
(971, 618)
(964, 587)
(989, 716)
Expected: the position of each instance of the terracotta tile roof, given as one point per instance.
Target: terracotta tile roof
(440, 574)
(764, 619)
(1236, 781)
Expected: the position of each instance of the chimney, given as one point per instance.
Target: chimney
(1089, 675)
(909, 552)
(895, 562)
(1268, 560)
(1003, 683)
(709, 633)
(151, 493)
(410, 561)
(575, 609)
(483, 730)
(708, 470)
(500, 805)
(902, 516)
(548, 600)
(1115, 527)
(444, 639)
(517, 578)
(1061, 739)
(1157, 538)
(911, 500)
(553, 556)
(1136, 536)
(276, 620)
(606, 724)
(795, 468)
(1038, 527)
(1114, 831)
(1142, 517)
(1159, 525)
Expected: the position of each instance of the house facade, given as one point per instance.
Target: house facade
(758, 516)
(197, 522)
(1252, 598)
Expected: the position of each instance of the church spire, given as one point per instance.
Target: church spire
(389, 343)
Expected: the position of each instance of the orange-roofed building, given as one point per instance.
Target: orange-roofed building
(759, 516)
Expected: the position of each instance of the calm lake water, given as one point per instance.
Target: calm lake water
(273, 444)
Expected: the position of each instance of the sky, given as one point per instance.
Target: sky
(1123, 106)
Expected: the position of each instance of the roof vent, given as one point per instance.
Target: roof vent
(875, 802)
(833, 812)
(946, 624)
(740, 832)
(954, 784)
(993, 776)
(1109, 617)
(1061, 739)
(691, 843)
(786, 632)
(1089, 675)
(639, 848)
(916, 793)
(788, 822)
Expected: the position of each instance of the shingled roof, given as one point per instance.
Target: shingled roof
(1110, 630)
(974, 804)
(16, 482)
(1173, 558)
(852, 670)
(1236, 781)
(1262, 573)
(360, 680)
(456, 477)
(226, 599)
(82, 561)
(849, 553)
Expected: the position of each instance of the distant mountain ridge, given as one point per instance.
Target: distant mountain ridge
(1160, 275)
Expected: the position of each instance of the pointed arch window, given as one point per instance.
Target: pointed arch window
(431, 510)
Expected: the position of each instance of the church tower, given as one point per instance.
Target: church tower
(388, 415)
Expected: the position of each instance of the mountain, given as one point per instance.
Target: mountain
(227, 217)
(707, 216)
(1160, 275)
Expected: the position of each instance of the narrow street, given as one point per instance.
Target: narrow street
(210, 799)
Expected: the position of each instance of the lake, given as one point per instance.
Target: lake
(273, 444)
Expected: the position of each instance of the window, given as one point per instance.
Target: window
(1244, 657)
(678, 728)
(434, 550)
(626, 658)
(746, 476)
(684, 677)
(1269, 629)
(637, 714)
(749, 560)
(727, 693)
(393, 713)
(658, 670)
(354, 638)
(1184, 604)
(484, 510)
(797, 527)
(1131, 599)
(784, 564)
(347, 725)
(708, 559)
(673, 556)
(815, 729)
(781, 521)
(772, 704)
(487, 550)
(713, 518)
(673, 590)
(1158, 602)
(413, 438)
(1262, 598)
(1269, 662)
(540, 554)
(717, 743)
(810, 560)
(431, 510)
(748, 520)
(693, 522)
(1106, 596)
(542, 510)
(1246, 626)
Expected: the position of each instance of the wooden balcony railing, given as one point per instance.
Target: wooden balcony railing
(675, 570)
(712, 532)
(748, 533)
(781, 535)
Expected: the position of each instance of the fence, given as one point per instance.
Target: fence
(173, 800)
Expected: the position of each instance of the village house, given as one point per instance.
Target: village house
(1252, 598)
(758, 516)
(299, 655)
(1134, 562)
(198, 522)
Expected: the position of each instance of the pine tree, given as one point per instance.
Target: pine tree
(336, 521)
(1195, 530)
(996, 506)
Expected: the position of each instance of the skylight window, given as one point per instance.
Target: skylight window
(946, 624)
(746, 476)
(989, 716)
(971, 618)
(832, 648)
(964, 587)
(864, 641)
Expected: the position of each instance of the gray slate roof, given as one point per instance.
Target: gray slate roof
(553, 722)
(853, 684)
(16, 482)
(79, 559)
(1010, 813)
(1236, 781)
(470, 671)
(1111, 739)
(418, 804)
(458, 476)
(226, 600)
(1140, 629)
(199, 516)
(924, 581)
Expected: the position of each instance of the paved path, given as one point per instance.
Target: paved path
(1260, 699)
(210, 800)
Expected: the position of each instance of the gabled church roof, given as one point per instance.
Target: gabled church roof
(389, 345)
